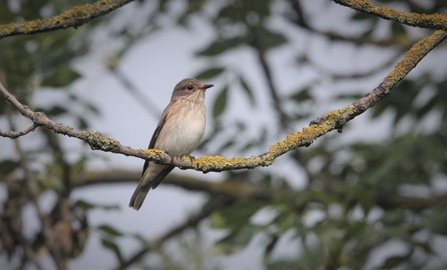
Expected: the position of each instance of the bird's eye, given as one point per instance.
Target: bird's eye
(189, 87)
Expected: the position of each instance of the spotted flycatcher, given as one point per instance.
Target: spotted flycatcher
(178, 132)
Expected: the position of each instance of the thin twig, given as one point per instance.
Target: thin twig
(139, 96)
(273, 91)
(15, 134)
(277, 102)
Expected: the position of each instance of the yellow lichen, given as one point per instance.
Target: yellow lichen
(153, 152)
(411, 59)
(217, 162)
(73, 17)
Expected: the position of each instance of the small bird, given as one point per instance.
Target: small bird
(178, 132)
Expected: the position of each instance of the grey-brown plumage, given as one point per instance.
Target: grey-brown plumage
(178, 132)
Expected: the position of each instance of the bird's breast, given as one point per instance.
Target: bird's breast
(184, 128)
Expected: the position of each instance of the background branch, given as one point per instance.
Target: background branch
(138, 95)
(11, 222)
(431, 21)
(300, 19)
(235, 189)
(74, 17)
(189, 222)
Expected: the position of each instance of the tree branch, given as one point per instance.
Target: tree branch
(242, 190)
(136, 93)
(273, 91)
(299, 19)
(15, 134)
(277, 102)
(333, 120)
(74, 17)
(431, 21)
(189, 222)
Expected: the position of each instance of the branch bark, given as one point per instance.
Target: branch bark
(300, 19)
(15, 134)
(431, 21)
(74, 17)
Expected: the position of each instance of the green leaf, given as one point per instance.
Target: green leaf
(143, 241)
(349, 96)
(110, 230)
(78, 167)
(62, 76)
(217, 221)
(109, 207)
(437, 222)
(236, 240)
(109, 244)
(260, 7)
(209, 73)
(398, 29)
(220, 103)
(393, 262)
(360, 16)
(301, 95)
(162, 5)
(269, 247)
(247, 90)
(56, 111)
(425, 246)
(82, 123)
(287, 264)
(85, 205)
(7, 166)
(93, 108)
(221, 46)
(230, 13)
(88, 205)
(267, 39)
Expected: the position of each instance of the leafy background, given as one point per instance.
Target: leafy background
(371, 197)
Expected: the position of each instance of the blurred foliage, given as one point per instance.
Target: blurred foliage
(360, 196)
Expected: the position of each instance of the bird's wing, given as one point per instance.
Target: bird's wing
(161, 123)
(157, 180)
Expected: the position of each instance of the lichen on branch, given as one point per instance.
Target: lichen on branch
(74, 17)
(431, 21)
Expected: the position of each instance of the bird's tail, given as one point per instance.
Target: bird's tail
(139, 195)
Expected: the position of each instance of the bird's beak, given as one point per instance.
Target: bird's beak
(206, 86)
